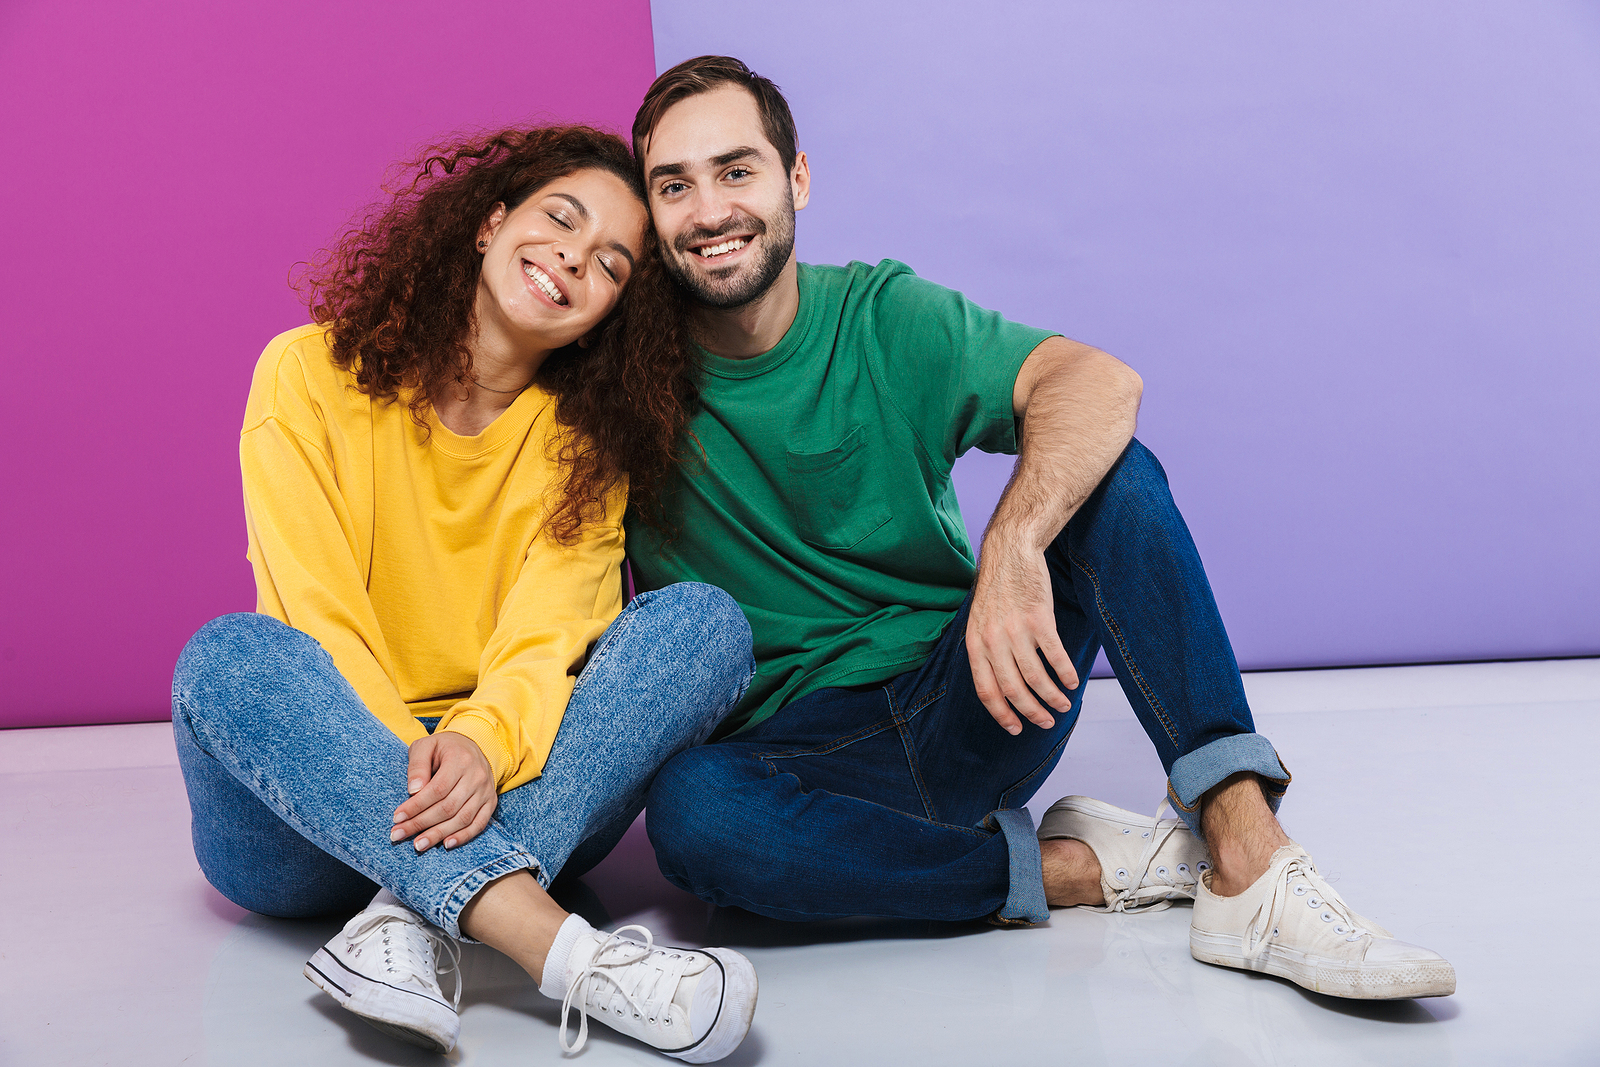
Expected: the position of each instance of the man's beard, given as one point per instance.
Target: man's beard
(748, 284)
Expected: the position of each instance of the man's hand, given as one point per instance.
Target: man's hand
(1077, 407)
(1013, 621)
(452, 792)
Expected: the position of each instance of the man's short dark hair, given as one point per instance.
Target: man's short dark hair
(703, 74)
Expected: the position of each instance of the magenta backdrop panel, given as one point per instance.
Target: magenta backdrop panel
(1354, 249)
(166, 165)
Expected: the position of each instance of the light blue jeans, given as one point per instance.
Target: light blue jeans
(293, 783)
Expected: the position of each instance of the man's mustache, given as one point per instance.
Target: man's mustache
(738, 224)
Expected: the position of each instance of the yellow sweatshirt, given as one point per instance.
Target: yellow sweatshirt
(419, 560)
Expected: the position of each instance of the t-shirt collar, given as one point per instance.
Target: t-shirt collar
(793, 339)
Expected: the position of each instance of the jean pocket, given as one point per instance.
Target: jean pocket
(833, 503)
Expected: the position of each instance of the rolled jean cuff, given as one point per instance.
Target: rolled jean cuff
(1205, 767)
(468, 885)
(1025, 904)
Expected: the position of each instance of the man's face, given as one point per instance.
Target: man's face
(722, 202)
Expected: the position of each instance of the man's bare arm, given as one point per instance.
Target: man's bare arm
(1078, 406)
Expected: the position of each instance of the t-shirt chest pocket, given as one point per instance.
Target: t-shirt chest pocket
(831, 496)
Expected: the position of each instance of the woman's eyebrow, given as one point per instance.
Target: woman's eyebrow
(583, 213)
(577, 205)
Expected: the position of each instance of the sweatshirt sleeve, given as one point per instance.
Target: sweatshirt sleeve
(563, 599)
(304, 546)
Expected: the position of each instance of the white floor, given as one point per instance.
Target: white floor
(1448, 803)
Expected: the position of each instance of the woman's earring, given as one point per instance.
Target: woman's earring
(482, 245)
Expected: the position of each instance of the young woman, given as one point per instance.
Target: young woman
(441, 693)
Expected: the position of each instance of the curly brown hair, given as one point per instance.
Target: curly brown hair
(397, 295)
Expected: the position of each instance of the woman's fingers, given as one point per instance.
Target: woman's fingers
(459, 796)
(427, 827)
(419, 763)
(457, 819)
(479, 823)
(409, 816)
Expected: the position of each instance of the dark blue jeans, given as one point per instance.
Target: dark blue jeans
(907, 800)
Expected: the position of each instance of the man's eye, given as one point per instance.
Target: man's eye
(673, 188)
(739, 173)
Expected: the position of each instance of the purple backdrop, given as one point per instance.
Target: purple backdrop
(1354, 249)
(167, 163)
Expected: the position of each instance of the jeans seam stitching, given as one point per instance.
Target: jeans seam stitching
(1055, 753)
(1123, 649)
(831, 746)
(931, 822)
(912, 763)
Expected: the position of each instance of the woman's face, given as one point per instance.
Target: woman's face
(555, 265)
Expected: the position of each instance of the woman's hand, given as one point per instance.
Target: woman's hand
(452, 792)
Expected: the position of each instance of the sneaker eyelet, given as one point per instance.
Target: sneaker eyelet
(1274, 931)
(1299, 890)
(1122, 874)
(1202, 866)
(1126, 831)
(1183, 868)
(1145, 834)
(1327, 917)
(1161, 872)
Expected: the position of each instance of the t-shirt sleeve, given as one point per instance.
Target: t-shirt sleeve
(303, 542)
(949, 365)
(562, 600)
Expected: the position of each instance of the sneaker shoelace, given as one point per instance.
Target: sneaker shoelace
(1157, 895)
(611, 983)
(1299, 883)
(410, 948)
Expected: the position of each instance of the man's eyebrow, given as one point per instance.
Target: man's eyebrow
(736, 154)
(733, 155)
(661, 170)
(577, 205)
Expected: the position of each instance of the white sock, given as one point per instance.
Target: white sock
(555, 980)
(384, 897)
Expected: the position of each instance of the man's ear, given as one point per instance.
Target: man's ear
(490, 225)
(800, 181)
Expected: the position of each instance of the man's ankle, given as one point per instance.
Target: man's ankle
(1241, 833)
(1071, 874)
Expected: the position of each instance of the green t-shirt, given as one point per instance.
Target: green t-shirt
(825, 505)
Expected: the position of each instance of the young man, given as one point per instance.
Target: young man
(907, 703)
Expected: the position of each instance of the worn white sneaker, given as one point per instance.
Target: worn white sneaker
(1293, 924)
(384, 967)
(693, 1005)
(1145, 863)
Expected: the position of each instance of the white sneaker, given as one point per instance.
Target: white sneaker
(1293, 924)
(383, 966)
(1145, 863)
(692, 1005)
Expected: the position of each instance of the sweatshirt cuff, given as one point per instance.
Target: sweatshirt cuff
(487, 737)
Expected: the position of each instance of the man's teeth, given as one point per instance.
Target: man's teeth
(542, 280)
(726, 246)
